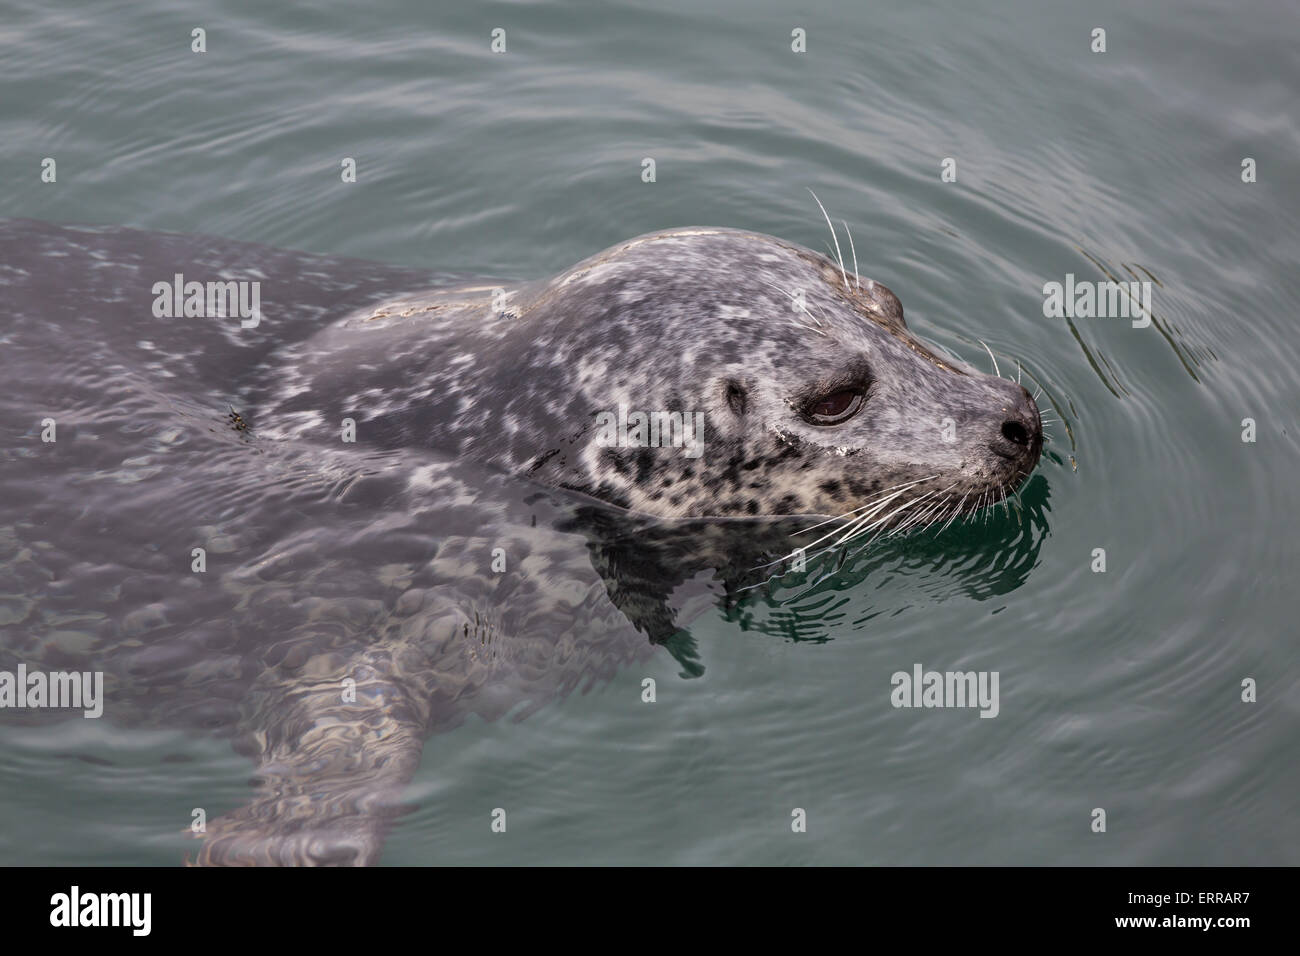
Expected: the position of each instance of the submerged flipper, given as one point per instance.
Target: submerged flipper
(330, 774)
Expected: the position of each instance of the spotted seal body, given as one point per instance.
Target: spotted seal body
(353, 599)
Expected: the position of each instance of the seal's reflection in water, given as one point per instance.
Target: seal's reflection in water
(663, 574)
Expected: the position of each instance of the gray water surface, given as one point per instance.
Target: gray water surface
(1119, 690)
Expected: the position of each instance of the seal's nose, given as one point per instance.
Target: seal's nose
(1015, 432)
(1021, 432)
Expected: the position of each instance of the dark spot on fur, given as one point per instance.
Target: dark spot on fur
(615, 460)
(645, 465)
(737, 397)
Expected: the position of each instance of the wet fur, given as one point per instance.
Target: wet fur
(373, 561)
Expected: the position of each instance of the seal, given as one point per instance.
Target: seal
(375, 512)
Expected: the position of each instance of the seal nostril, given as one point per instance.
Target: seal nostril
(1015, 432)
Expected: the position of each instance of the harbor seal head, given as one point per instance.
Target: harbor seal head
(686, 373)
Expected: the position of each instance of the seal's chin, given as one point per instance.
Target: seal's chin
(1009, 465)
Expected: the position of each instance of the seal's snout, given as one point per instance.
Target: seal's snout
(1020, 434)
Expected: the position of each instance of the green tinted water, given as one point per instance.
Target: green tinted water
(1119, 690)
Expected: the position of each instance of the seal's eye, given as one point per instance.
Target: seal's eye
(838, 406)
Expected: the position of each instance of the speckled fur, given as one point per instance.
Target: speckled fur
(683, 320)
(373, 561)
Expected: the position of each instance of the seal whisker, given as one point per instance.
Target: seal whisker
(856, 284)
(956, 512)
(939, 507)
(795, 300)
(879, 522)
(945, 515)
(996, 371)
(858, 530)
(900, 510)
(838, 254)
(831, 547)
(951, 354)
(882, 522)
(854, 523)
(818, 330)
(902, 525)
(876, 497)
(918, 517)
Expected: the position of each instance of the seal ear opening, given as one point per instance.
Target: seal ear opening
(737, 397)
